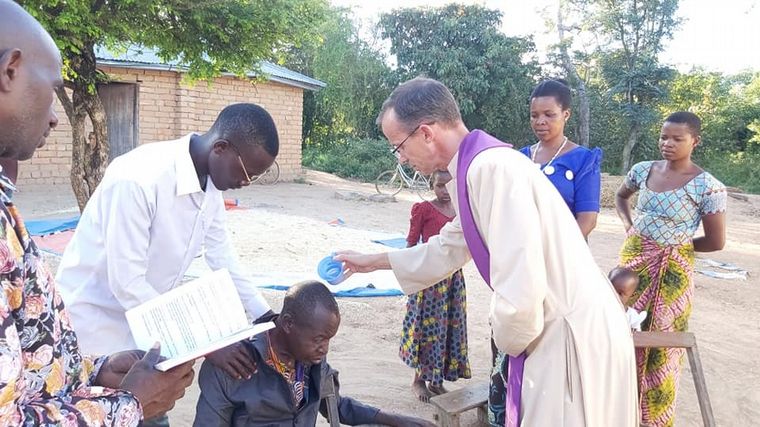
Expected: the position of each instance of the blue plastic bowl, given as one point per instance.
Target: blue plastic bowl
(330, 270)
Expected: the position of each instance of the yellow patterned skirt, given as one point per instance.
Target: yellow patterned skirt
(665, 291)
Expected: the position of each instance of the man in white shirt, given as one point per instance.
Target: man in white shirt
(155, 209)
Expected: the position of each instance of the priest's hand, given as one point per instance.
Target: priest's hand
(355, 262)
(235, 360)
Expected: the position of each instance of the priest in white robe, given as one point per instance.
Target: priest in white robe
(550, 302)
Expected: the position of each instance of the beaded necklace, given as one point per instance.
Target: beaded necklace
(298, 384)
(548, 169)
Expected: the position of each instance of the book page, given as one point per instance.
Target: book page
(189, 318)
(216, 345)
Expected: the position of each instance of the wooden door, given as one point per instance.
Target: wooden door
(120, 101)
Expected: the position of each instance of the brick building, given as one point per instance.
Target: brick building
(148, 101)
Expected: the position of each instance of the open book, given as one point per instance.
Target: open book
(193, 320)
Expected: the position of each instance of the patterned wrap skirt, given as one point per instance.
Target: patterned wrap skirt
(665, 291)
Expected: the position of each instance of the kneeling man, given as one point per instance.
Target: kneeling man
(287, 389)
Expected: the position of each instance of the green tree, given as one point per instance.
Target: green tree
(207, 37)
(358, 81)
(750, 97)
(631, 35)
(573, 64)
(708, 95)
(727, 105)
(636, 92)
(608, 129)
(491, 75)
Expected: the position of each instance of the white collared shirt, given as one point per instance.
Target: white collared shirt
(136, 238)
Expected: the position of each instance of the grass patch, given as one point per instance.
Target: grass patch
(741, 169)
(361, 159)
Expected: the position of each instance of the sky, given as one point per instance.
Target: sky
(717, 35)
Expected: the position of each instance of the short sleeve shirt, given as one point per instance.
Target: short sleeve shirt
(672, 217)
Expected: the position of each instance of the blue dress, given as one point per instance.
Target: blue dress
(577, 177)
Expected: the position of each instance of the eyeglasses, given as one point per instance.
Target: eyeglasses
(247, 177)
(242, 165)
(395, 149)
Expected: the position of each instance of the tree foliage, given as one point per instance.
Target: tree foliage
(629, 91)
(569, 62)
(358, 81)
(490, 74)
(207, 37)
(631, 35)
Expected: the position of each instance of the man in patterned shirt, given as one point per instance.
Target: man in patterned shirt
(44, 379)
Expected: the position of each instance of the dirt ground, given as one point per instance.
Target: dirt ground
(286, 229)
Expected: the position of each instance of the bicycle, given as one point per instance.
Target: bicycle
(392, 181)
(270, 177)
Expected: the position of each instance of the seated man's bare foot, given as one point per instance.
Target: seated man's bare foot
(437, 389)
(421, 391)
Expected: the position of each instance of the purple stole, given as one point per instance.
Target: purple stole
(473, 144)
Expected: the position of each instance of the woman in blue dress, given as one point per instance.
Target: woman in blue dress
(574, 171)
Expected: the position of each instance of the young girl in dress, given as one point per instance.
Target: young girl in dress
(434, 335)
(675, 195)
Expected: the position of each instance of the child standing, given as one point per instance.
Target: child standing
(675, 196)
(434, 335)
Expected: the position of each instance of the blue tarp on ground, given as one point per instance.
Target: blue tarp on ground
(398, 242)
(49, 226)
(360, 292)
(42, 227)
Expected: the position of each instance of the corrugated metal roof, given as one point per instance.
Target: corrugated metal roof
(145, 58)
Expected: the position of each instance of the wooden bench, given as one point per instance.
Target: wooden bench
(688, 341)
(451, 405)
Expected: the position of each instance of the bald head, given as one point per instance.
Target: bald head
(30, 71)
(19, 29)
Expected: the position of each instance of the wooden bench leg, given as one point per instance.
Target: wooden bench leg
(688, 341)
(447, 420)
(483, 415)
(699, 383)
